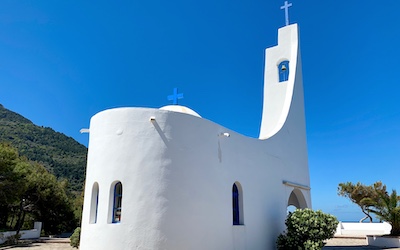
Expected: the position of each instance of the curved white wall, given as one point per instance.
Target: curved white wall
(278, 95)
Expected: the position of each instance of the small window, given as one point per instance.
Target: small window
(94, 204)
(117, 203)
(237, 204)
(283, 69)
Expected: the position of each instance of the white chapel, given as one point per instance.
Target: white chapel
(168, 179)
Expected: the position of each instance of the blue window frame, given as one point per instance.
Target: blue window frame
(235, 205)
(97, 207)
(283, 70)
(117, 203)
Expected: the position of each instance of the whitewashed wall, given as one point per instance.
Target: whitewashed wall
(356, 228)
(25, 234)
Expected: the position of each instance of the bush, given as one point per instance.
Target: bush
(75, 237)
(307, 230)
(10, 240)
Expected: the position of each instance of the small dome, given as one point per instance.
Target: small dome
(180, 109)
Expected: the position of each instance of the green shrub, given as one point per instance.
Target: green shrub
(12, 239)
(307, 230)
(75, 237)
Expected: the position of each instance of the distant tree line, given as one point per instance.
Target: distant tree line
(29, 192)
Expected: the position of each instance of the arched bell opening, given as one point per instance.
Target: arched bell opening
(283, 71)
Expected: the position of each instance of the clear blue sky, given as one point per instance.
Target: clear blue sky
(61, 62)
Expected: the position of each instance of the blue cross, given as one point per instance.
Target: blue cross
(286, 8)
(175, 96)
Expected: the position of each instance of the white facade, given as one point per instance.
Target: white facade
(177, 171)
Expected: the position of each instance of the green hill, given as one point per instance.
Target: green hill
(60, 154)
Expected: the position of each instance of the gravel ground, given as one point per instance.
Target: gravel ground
(340, 243)
(42, 246)
(347, 243)
(344, 243)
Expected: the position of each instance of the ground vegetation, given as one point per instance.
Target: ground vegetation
(29, 192)
(307, 229)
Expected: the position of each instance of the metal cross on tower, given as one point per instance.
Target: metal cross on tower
(286, 7)
(175, 96)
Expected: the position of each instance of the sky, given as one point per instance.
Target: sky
(61, 62)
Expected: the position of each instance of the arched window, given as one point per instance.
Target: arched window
(283, 70)
(94, 203)
(117, 203)
(237, 204)
(297, 199)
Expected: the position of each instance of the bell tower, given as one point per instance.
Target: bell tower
(282, 83)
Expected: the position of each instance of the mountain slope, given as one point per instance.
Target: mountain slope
(60, 154)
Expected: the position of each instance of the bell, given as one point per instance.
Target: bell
(283, 67)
